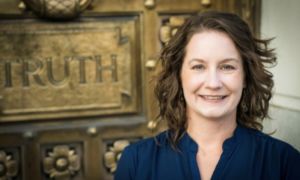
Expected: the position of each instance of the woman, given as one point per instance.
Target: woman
(213, 91)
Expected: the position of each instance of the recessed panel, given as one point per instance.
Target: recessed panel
(68, 69)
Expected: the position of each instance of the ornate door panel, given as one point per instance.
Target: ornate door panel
(76, 80)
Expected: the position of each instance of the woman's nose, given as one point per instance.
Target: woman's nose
(213, 80)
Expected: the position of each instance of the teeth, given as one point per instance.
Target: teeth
(213, 97)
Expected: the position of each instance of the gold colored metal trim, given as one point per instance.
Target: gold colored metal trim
(113, 155)
(206, 2)
(149, 4)
(61, 163)
(56, 9)
(8, 166)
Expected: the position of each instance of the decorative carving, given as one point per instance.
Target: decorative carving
(149, 4)
(152, 124)
(22, 6)
(169, 28)
(93, 60)
(206, 3)
(57, 9)
(61, 163)
(8, 166)
(247, 6)
(92, 131)
(151, 64)
(113, 155)
(29, 135)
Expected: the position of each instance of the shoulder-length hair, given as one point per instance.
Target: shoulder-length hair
(256, 56)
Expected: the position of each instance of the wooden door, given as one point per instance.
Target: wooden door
(77, 76)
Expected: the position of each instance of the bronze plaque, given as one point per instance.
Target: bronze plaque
(60, 69)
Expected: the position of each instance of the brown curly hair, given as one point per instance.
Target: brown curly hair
(256, 56)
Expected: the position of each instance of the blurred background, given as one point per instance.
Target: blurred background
(280, 20)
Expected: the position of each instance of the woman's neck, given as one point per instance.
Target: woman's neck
(211, 132)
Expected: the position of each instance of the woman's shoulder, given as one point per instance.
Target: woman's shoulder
(149, 143)
(265, 141)
(135, 155)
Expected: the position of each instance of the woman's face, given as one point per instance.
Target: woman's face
(212, 76)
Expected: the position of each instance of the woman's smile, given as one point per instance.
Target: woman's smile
(212, 76)
(212, 97)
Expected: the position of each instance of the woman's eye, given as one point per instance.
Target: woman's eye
(198, 67)
(227, 67)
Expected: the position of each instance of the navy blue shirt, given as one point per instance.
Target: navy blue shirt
(248, 154)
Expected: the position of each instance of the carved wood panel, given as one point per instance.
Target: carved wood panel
(68, 69)
(77, 76)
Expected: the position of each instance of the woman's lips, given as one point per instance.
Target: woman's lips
(213, 97)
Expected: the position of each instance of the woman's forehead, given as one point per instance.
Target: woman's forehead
(211, 44)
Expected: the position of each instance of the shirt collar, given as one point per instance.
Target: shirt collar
(187, 143)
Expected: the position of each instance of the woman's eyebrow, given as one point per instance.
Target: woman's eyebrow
(222, 61)
(196, 59)
(231, 59)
